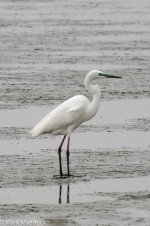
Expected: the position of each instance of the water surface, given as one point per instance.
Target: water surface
(46, 50)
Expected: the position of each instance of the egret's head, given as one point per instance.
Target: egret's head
(92, 75)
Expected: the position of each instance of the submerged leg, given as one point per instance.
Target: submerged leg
(68, 153)
(59, 152)
(68, 191)
(60, 191)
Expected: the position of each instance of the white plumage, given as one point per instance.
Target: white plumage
(71, 114)
(64, 118)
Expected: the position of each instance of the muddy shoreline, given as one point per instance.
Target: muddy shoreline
(46, 50)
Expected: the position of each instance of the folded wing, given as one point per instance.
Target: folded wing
(68, 115)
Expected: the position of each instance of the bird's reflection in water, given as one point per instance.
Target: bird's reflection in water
(67, 195)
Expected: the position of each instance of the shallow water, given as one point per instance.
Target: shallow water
(109, 161)
(46, 49)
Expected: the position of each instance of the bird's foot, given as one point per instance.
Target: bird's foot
(65, 176)
(61, 176)
(68, 175)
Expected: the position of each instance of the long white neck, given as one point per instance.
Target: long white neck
(93, 89)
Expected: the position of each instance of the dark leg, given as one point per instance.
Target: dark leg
(68, 156)
(59, 152)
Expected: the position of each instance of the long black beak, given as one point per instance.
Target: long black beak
(111, 76)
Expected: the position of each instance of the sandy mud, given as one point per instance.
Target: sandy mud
(46, 49)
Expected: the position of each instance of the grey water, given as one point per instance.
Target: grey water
(47, 47)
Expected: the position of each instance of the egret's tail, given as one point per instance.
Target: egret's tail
(33, 133)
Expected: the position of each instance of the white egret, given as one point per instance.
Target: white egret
(65, 118)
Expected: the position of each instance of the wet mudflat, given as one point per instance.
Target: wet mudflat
(109, 161)
(46, 49)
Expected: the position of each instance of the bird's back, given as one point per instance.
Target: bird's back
(68, 115)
